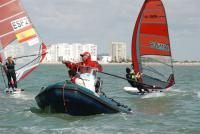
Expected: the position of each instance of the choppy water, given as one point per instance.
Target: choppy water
(174, 112)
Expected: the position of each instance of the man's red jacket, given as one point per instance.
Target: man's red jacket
(88, 63)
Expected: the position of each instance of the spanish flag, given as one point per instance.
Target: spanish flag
(26, 35)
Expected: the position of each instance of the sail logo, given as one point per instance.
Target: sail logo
(159, 46)
(153, 16)
(20, 23)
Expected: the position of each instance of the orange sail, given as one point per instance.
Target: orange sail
(151, 52)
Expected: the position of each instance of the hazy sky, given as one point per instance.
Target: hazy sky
(103, 21)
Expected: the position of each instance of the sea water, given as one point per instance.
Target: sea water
(174, 112)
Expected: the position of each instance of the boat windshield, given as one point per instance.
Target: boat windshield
(87, 72)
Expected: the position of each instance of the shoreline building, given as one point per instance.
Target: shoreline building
(70, 52)
(106, 59)
(118, 52)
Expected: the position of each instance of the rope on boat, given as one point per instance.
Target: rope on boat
(64, 102)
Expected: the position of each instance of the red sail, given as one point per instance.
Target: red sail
(151, 43)
(10, 10)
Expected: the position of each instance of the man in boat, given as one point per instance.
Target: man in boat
(87, 62)
(133, 79)
(9, 68)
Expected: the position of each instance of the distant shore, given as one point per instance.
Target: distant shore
(186, 63)
(129, 63)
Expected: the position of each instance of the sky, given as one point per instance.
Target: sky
(103, 21)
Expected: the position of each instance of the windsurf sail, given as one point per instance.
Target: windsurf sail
(19, 39)
(151, 52)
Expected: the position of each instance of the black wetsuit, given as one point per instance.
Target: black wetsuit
(11, 75)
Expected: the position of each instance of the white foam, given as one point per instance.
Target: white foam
(184, 92)
(154, 95)
(23, 96)
(198, 94)
(177, 90)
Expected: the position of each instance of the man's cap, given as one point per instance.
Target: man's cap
(85, 53)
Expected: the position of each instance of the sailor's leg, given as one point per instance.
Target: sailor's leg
(14, 79)
(146, 90)
(9, 80)
(140, 89)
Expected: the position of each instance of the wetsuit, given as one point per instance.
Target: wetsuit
(11, 75)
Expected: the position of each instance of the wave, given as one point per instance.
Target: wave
(154, 95)
(177, 90)
(198, 94)
(23, 96)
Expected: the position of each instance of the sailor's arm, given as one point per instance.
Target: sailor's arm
(70, 64)
(99, 67)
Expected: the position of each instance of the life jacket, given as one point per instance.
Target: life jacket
(10, 66)
(133, 76)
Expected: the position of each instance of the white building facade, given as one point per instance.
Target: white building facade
(118, 51)
(70, 52)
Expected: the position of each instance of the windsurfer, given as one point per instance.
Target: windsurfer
(87, 62)
(133, 80)
(10, 72)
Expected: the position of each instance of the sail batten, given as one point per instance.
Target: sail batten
(13, 7)
(151, 52)
(6, 3)
(154, 36)
(149, 23)
(10, 17)
(19, 39)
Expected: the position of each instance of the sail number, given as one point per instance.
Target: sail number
(20, 23)
(160, 46)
